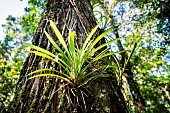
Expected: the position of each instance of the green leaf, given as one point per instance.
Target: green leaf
(39, 49)
(58, 34)
(104, 55)
(2, 96)
(43, 55)
(57, 47)
(71, 43)
(103, 45)
(53, 43)
(65, 66)
(134, 47)
(98, 57)
(44, 69)
(52, 75)
(100, 37)
(90, 35)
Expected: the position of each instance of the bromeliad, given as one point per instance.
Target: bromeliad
(74, 61)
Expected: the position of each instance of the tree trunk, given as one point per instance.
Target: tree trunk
(47, 94)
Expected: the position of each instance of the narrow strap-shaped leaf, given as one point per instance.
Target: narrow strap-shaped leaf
(134, 47)
(98, 57)
(58, 34)
(95, 59)
(2, 96)
(104, 55)
(101, 53)
(56, 46)
(100, 37)
(71, 45)
(100, 67)
(88, 45)
(39, 49)
(90, 35)
(47, 54)
(91, 62)
(44, 69)
(53, 42)
(83, 76)
(52, 75)
(66, 67)
(105, 44)
(80, 58)
(43, 55)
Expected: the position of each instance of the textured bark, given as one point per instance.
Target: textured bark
(46, 94)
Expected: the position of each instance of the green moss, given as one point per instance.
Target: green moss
(22, 93)
(33, 105)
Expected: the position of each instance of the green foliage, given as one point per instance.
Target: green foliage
(157, 11)
(75, 61)
(9, 71)
(30, 20)
(159, 88)
(12, 54)
(10, 60)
